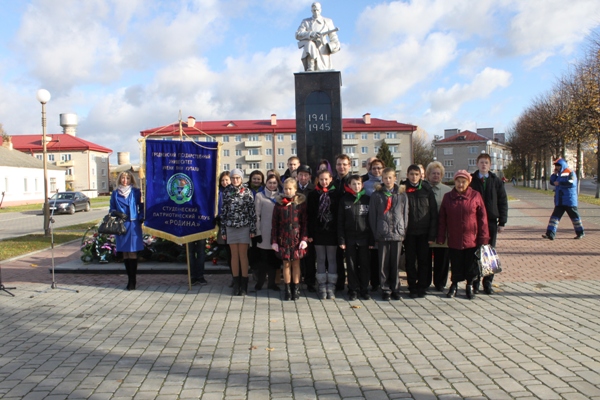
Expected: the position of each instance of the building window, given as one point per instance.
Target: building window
(293, 151)
(50, 157)
(269, 137)
(376, 149)
(35, 182)
(253, 152)
(269, 152)
(364, 150)
(397, 162)
(93, 171)
(449, 175)
(93, 184)
(253, 138)
(293, 137)
(39, 156)
(448, 151)
(209, 139)
(280, 165)
(254, 165)
(349, 149)
(354, 162)
(448, 163)
(280, 151)
(349, 136)
(238, 166)
(225, 167)
(238, 153)
(104, 185)
(103, 171)
(65, 157)
(225, 153)
(390, 135)
(69, 172)
(364, 136)
(226, 139)
(104, 159)
(238, 138)
(25, 184)
(472, 162)
(376, 136)
(472, 149)
(393, 149)
(269, 165)
(279, 137)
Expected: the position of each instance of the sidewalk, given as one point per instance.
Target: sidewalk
(536, 338)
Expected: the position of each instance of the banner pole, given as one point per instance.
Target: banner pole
(187, 252)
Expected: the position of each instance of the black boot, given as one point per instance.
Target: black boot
(244, 286)
(288, 292)
(476, 286)
(296, 291)
(134, 264)
(236, 285)
(271, 282)
(261, 275)
(469, 291)
(128, 269)
(487, 284)
(453, 290)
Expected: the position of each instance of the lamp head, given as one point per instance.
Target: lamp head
(43, 96)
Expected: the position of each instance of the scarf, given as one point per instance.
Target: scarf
(388, 194)
(324, 203)
(411, 188)
(124, 190)
(353, 193)
(287, 200)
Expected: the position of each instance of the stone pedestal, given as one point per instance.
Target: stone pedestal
(318, 117)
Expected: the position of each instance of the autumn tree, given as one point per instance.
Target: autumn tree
(422, 149)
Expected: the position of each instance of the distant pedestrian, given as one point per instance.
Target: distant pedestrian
(565, 200)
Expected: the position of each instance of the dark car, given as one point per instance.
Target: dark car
(68, 202)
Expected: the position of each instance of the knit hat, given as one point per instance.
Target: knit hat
(238, 172)
(461, 173)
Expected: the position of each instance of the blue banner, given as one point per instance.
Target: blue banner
(181, 189)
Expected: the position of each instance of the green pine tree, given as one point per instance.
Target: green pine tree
(385, 155)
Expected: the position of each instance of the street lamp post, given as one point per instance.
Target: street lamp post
(43, 96)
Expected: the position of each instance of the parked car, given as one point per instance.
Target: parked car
(68, 202)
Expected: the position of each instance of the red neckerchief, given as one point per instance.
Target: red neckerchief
(321, 189)
(358, 195)
(286, 200)
(388, 193)
(412, 188)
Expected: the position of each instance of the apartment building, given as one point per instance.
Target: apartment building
(459, 150)
(267, 144)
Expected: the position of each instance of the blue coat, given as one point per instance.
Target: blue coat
(566, 192)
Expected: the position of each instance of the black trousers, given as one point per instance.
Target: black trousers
(441, 266)
(341, 271)
(463, 265)
(418, 262)
(358, 260)
(375, 278)
(308, 265)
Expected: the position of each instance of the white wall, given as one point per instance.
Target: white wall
(26, 185)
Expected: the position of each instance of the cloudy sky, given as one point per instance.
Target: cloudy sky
(126, 66)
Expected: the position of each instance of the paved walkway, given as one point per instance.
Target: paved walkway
(537, 338)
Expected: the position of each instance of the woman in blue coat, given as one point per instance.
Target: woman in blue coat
(127, 199)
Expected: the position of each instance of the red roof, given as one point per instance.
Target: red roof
(264, 126)
(468, 137)
(57, 142)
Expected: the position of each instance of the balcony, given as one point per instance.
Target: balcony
(253, 158)
(248, 143)
(69, 178)
(349, 142)
(69, 163)
(393, 140)
(397, 155)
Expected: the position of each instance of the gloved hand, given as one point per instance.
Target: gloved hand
(303, 245)
(275, 247)
(119, 214)
(258, 238)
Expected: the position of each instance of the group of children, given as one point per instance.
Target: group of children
(307, 227)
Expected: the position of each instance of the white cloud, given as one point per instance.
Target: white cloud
(482, 86)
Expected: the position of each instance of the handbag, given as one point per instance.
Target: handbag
(112, 225)
(488, 260)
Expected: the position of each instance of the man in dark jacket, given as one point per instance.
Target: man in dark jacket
(343, 165)
(492, 190)
(307, 263)
(421, 231)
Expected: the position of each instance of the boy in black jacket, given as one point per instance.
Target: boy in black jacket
(421, 231)
(354, 236)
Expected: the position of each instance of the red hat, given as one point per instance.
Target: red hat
(461, 173)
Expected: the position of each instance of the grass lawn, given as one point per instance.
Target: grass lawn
(14, 247)
(95, 202)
